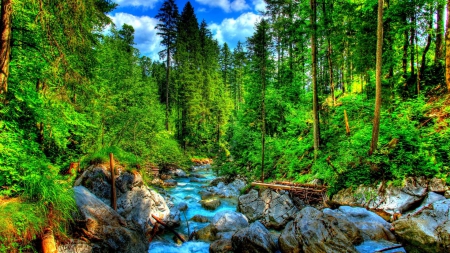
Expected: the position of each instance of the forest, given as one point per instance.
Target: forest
(346, 92)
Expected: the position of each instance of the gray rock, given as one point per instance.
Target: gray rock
(221, 246)
(174, 218)
(208, 233)
(182, 206)
(391, 199)
(228, 190)
(429, 199)
(200, 218)
(288, 241)
(357, 214)
(194, 180)
(436, 185)
(205, 194)
(138, 205)
(226, 221)
(426, 231)
(217, 180)
(251, 205)
(127, 180)
(97, 180)
(78, 246)
(210, 204)
(253, 239)
(179, 173)
(315, 231)
(273, 209)
(106, 226)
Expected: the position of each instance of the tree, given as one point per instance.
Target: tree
(259, 47)
(314, 76)
(447, 48)
(376, 120)
(168, 18)
(5, 50)
(439, 32)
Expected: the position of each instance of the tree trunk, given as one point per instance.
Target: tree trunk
(424, 55)
(439, 32)
(5, 50)
(376, 120)
(314, 77)
(263, 111)
(447, 48)
(412, 43)
(167, 87)
(405, 56)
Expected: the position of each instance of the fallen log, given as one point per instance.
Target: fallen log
(287, 187)
(169, 228)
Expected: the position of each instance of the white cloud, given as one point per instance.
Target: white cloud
(260, 5)
(226, 5)
(145, 37)
(233, 30)
(136, 3)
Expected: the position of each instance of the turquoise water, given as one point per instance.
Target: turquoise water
(188, 192)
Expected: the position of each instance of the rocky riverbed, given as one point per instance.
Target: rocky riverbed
(212, 211)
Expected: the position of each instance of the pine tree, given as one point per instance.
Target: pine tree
(168, 18)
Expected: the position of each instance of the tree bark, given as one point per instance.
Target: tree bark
(447, 48)
(263, 108)
(376, 120)
(439, 32)
(167, 87)
(424, 55)
(5, 50)
(314, 77)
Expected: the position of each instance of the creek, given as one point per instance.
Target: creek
(188, 192)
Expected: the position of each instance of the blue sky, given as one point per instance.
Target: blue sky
(229, 20)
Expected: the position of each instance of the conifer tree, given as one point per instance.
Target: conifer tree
(168, 18)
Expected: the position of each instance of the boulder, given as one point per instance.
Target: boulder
(221, 246)
(253, 239)
(273, 209)
(210, 204)
(429, 199)
(138, 205)
(200, 218)
(105, 227)
(436, 185)
(78, 246)
(218, 180)
(127, 180)
(205, 194)
(178, 173)
(315, 231)
(228, 190)
(427, 230)
(370, 225)
(391, 199)
(182, 206)
(194, 180)
(226, 221)
(208, 233)
(170, 183)
(97, 181)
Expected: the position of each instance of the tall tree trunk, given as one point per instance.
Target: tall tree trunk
(405, 55)
(329, 52)
(413, 40)
(5, 50)
(439, 32)
(314, 78)
(447, 48)
(167, 87)
(263, 110)
(424, 55)
(376, 120)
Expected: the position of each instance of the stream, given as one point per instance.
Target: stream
(188, 192)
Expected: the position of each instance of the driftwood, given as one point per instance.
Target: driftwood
(169, 228)
(307, 192)
(389, 248)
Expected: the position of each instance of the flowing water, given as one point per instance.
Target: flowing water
(188, 192)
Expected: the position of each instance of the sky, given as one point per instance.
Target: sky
(230, 21)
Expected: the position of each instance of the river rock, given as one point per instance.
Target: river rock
(205, 194)
(315, 231)
(227, 191)
(178, 173)
(447, 195)
(272, 208)
(210, 204)
(200, 218)
(106, 227)
(194, 180)
(221, 246)
(253, 239)
(208, 233)
(182, 206)
(97, 180)
(391, 199)
(174, 218)
(217, 180)
(138, 205)
(170, 183)
(127, 180)
(426, 231)
(429, 199)
(436, 185)
(226, 221)
(287, 242)
(78, 246)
